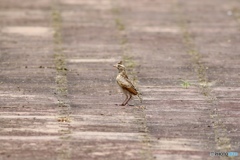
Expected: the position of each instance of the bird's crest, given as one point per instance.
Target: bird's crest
(120, 65)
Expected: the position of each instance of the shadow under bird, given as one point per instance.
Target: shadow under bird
(125, 84)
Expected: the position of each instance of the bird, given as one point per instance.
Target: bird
(125, 84)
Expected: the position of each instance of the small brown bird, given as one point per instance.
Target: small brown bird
(125, 84)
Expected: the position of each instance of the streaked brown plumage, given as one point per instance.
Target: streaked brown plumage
(125, 84)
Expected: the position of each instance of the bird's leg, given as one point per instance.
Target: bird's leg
(128, 100)
(124, 102)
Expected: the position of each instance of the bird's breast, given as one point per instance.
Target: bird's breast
(119, 79)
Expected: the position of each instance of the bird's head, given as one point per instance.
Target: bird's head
(120, 66)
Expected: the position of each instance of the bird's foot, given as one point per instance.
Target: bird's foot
(119, 104)
(124, 104)
(128, 104)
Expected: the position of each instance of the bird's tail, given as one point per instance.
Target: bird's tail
(140, 98)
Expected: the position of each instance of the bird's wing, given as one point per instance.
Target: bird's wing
(126, 84)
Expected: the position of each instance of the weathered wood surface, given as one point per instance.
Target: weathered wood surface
(58, 89)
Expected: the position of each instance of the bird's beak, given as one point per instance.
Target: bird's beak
(115, 66)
